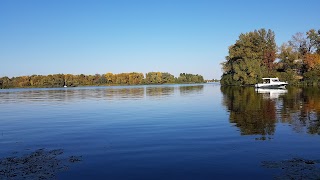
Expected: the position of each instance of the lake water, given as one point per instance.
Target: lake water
(165, 131)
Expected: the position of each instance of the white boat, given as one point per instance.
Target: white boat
(271, 83)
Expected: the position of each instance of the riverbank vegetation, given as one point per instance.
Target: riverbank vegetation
(256, 55)
(133, 78)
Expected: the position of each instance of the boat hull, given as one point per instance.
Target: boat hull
(271, 86)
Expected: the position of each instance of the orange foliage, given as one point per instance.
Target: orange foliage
(311, 60)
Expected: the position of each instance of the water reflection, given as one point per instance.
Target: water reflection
(271, 93)
(195, 89)
(256, 113)
(123, 93)
(101, 93)
(252, 114)
(302, 110)
(159, 91)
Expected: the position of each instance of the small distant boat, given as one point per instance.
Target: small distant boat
(271, 83)
(65, 86)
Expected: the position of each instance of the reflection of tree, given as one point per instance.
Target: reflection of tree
(70, 94)
(251, 113)
(158, 91)
(120, 93)
(314, 127)
(301, 109)
(184, 90)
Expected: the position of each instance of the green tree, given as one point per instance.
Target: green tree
(250, 58)
(314, 39)
(189, 78)
(182, 78)
(102, 80)
(288, 57)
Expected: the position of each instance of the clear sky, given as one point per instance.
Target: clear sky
(89, 37)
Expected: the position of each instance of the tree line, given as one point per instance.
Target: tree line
(133, 78)
(256, 54)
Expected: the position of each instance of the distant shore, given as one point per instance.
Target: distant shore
(108, 79)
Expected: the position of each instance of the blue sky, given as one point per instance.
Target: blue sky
(89, 37)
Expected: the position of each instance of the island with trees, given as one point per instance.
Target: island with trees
(69, 80)
(256, 55)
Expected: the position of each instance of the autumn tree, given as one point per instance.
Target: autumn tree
(153, 78)
(122, 78)
(306, 46)
(135, 78)
(109, 78)
(167, 78)
(312, 60)
(269, 48)
(6, 82)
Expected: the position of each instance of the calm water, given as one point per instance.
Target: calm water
(163, 132)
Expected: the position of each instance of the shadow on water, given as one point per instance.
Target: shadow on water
(295, 168)
(40, 164)
(257, 113)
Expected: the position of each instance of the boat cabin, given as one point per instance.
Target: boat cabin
(270, 80)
